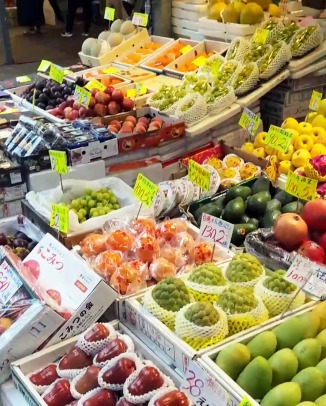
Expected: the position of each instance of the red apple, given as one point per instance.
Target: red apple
(124, 402)
(116, 123)
(173, 398)
(109, 90)
(127, 104)
(62, 106)
(59, 395)
(148, 379)
(97, 333)
(75, 359)
(143, 120)
(82, 112)
(118, 373)
(70, 101)
(132, 119)
(94, 91)
(67, 111)
(158, 120)
(88, 380)
(73, 115)
(129, 123)
(92, 102)
(100, 110)
(76, 106)
(89, 112)
(117, 96)
(46, 376)
(111, 350)
(56, 112)
(140, 129)
(113, 129)
(114, 108)
(102, 98)
(103, 397)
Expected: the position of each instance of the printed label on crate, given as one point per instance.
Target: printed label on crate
(109, 13)
(60, 218)
(199, 61)
(56, 73)
(140, 19)
(260, 36)
(145, 190)
(44, 66)
(82, 96)
(201, 388)
(278, 138)
(300, 186)
(186, 49)
(95, 84)
(138, 90)
(23, 79)
(315, 100)
(245, 402)
(199, 175)
(216, 230)
(59, 161)
(9, 282)
(249, 121)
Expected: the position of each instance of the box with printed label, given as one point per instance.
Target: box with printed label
(8, 194)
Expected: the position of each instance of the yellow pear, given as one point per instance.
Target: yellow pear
(270, 150)
(214, 12)
(286, 156)
(304, 128)
(231, 13)
(300, 158)
(248, 147)
(319, 121)
(290, 123)
(322, 108)
(285, 167)
(260, 140)
(260, 152)
(295, 135)
(251, 14)
(274, 10)
(318, 149)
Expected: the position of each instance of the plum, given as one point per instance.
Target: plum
(3, 239)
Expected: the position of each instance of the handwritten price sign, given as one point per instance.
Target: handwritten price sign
(95, 84)
(82, 96)
(145, 190)
(202, 389)
(260, 36)
(199, 175)
(140, 19)
(216, 230)
(315, 100)
(60, 218)
(56, 73)
(9, 282)
(278, 138)
(109, 13)
(249, 121)
(59, 161)
(300, 186)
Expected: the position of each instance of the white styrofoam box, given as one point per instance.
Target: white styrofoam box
(160, 80)
(49, 179)
(219, 35)
(190, 12)
(240, 30)
(313, 56)
(233, 389)
(191, 6)
(11, 396)
(185, 33)
(187, 24)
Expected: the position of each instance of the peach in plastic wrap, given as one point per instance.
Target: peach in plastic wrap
(93, 244)
(168, 229)
(170, 253)
(147, 248)
(127, 279)
(143, 225)
(107, 262)
(161, 268)
(203, 252)
(120, 240)
(185, 242)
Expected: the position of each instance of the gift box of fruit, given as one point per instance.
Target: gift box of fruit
(107, 365)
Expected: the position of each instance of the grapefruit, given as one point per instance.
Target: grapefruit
(264, 4)
(314, 214)
(251, 14)
(290, 230)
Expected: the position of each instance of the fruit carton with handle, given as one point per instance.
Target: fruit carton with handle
(23, 367)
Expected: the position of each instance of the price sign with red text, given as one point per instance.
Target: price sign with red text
(249, 121)
(9, 282)
(300, 186)
(202, 389)
(216, 230)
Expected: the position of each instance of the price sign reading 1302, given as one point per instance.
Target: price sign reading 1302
(145, 190)
(278, 138)
(199, 175)
(300, 186)
(216, 230)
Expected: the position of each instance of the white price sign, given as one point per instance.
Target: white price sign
(216, 230)
(202, 389)
(9, 282)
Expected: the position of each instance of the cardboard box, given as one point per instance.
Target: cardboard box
(296, 110)
(288, 98)
(307, 82)
(8, 194)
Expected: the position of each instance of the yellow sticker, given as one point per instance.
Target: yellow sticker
(315, 100)
(145, 190)
(59, 161)
(199, 175)
(245, 402)
(109, 13)
(186, 49)
(95, 84)
(56, 73)
(260, 36)
(60, 218)
(249, 121)
(44, 66)
(111, 69)
(278, 138)
(200, 61)
(9, 111)
(23, 79)
(139, 90)
(67, 72)
(300, 186)
(140, 19)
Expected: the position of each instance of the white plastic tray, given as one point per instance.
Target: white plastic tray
(187, 24)
(193, 13)
(319, 52)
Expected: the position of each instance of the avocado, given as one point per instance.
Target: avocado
(237, 191)
(254, 221)
(262, 184)
(294, 207)
(257, 203)
(245, 219)
(284, 197)
(240, 231)
(269, 218)
(273, 204)
(209, 208)
(234, 210)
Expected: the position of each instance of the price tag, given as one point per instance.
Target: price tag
(202, 389)
(300, 186)
(82, 96)
(44, 66)
(140, 19)
(59, 161)
(216, 230)
(60, 218)
(245, 402)
(56, 73)
(9, 282)
(111, 69)
(260, 36)
(186, 49)
(215, 67)
(200, 61)
(67, 72)
(95, 84)
(139, 90)
(145, 190)
(278, 138)
(109, 13)
(199, 175)
(77, 93)
(23, 79)
(249, 121)
(315, 100)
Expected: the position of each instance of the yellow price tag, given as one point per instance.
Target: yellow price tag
(60, 218)
(214, 67)
(131, 93)
(199, 175)
(139, 90)
(67, 72)
(186, 49)
(140, 19)
(44, 66)
(245, 402)
(272, 169)
(145, 190)
(111, 69)
(260, 36)
(315, 100)
(59, 161)
(109, 13)
(95, 84)
(300, 186)
(278, 138)
(249, 121)
(82, 96)
(23, 79)
(56, 73)
(200, 61)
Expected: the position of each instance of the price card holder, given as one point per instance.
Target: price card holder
(140, 19)
(56, 73)
(145, 190)
(278, 138)
(200, 61)
(59, 161)
(60, 218)
(300, 186)
(260, 36)
(44, 66)
(249, 121)
(199, 175)
(216, 230)
(186, 49)
(23, 79)
(109, 13)
(95, 84)
(315, 100)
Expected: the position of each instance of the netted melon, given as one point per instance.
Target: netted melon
(104, 35)
(127, 28)
(115, 39)
(87, 45)
(116, 26)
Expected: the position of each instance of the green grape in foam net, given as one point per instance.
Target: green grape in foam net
(171, 294)
(237, 299)
(278, 284)
(202, 314)
(207, 274)
(243, 268)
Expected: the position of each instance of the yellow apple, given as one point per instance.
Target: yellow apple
(248, 147)
(304, 128)
(270, 150)
(318, 132)
(322, 107)
(318, 149)
(295, 135)
(319, 121)
(300, 169)
(260, 152)
(260, 140)
(286, 156)
(300, 158)
(285, 167)
(310, 116)
(290, 123)
(304, 141)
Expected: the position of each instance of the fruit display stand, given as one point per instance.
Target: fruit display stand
(236, 393)
(320, 64)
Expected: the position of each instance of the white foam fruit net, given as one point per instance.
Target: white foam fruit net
(277, 303)
(204, 293)
(274, 60)
(226, 73)
(94, 347)
(200, 337)
(246, 79)
(274, 26)
(306, 39)
(211, 66)
(238, 49)
(191, 108)
(221, 102)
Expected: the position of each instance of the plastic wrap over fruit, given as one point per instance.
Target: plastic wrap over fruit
(316, 168)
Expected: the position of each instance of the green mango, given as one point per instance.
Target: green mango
(237, 191)
(240, 232)
(234, 210)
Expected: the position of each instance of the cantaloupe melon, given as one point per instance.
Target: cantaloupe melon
(87, 46)
(104, 35)
(115, 39)
(96, 48)
(116, 26)
(127, 28)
